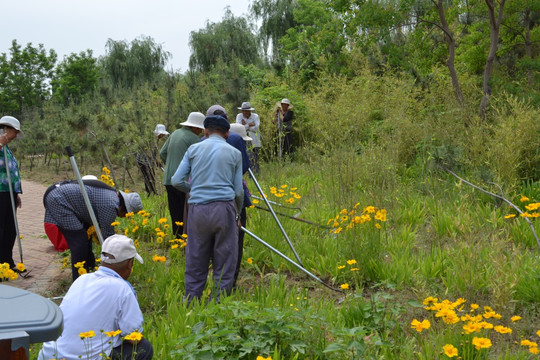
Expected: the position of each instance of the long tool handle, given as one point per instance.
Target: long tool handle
(275, 216)
(288, 259)
(13, 203)
(295, 218)
(85, 195)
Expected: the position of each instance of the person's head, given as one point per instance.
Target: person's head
(246, 109)
(216, 124)
(11, 127)
(195, 122)
(117, 253)
(160, 131)
(129, 202)
(217, 110)
(285, 103)
(240, 130)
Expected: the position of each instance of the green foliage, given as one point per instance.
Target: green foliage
(76, 76)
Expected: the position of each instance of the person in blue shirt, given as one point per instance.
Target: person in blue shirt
(214, 171)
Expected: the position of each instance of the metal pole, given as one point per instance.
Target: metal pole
(278, 204)
(12, 196)
(295, 218)
(85, 195)
(288, 259)
(275, 216)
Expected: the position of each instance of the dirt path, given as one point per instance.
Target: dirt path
(39, 256)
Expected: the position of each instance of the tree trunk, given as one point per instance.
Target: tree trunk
(495, 24)
(451, 53)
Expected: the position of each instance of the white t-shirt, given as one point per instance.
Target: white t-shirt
(101, 301)
(252, 127)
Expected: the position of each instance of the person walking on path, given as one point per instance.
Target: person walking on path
(216, 198)
(10, 128)
(67, 217)
(251, 123)
(104, 306)
(171, 154)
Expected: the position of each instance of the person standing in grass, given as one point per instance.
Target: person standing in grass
(284, 118)
(10, 128)
(102, 317)
(171, 154)
(251, 123)
(215, 201)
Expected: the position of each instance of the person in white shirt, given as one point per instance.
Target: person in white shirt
(251, 122)
(100, 309)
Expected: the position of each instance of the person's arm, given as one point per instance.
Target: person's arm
(130, 318)
(254, 124)
(163, 151)
(238, 185)
(180, 177)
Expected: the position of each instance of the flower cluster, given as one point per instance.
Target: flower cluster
(532, 207)
(349, 219)
(157, 258)
(80, 266)
(281, 192)
(477, 326)
(134, 336)
(264, 358)
(7, 273)
(105, 177)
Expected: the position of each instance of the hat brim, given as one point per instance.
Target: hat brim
(160, 133)
(250, 109)
(187, 123)
(139, 258)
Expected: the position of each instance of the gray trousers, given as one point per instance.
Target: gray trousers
(212, 234)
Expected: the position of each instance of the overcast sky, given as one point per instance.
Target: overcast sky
(72, 26)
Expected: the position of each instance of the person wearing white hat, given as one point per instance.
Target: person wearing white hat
(103, 302)
(171, 154)
(10, 128)
(67, 219)
(284, 118)
(147, 160)
(251, 123)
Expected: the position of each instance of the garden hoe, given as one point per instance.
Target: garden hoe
(85, 195)
(14, 209)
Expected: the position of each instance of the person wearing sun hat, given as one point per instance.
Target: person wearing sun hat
(284, 118)
(103, 302)
(251, 123)
(67, 219)
(211, 171)
(171, 154)
(147, 159)
(10, 129)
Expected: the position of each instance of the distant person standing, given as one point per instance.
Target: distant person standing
(215, 201)
(147, 160)
(171, 154)
(10, 128)
(251, 122)
(284, 119)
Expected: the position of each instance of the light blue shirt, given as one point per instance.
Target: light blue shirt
(98, 301)
(215, 169)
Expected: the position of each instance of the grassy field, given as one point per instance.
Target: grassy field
(428, 236)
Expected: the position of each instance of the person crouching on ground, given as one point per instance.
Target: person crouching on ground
(104, 303)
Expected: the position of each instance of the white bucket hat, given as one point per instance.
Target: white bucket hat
(286, 101)
(14, 123)
(160, 130)
(240, 130)
(121, 247)
(195, 119)
(246, 106)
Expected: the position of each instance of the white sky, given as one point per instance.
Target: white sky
(72, 26)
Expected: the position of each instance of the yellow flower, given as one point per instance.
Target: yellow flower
(370, 209)
(160, 233)
(341, 267)
(80, 264)
(115, 223)
(338, 230)
(538, 333)
(113, 333)
(82, 271)
(250, 261)
(135, 229)
(162, 220)
(159, 239)
(351, 262)
(524, 198)
(420, 326)
(355, 269)
(263, 358)
(87, 334)
(533, 207)
(157, 258)
(430, 299)
(502, 329)
(21, 267)
(174, 246)
(378, 226)
(474, 307)
(471, 327)
(534, 350)
(481, 343)
(450, 350)
(283, 186)
(134, 336)
(381, 215)
(344, 286)
(289, 201)
(296, 196)
(343, 211)
(145, 221)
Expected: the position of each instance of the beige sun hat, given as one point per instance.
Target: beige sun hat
(240, 130)
(246, 106)
(160, 130)
(195, 119)
(14, 123)
(286, 101)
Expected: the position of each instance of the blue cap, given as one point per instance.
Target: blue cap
(216, 121)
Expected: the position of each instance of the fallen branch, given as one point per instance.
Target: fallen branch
(501, 198)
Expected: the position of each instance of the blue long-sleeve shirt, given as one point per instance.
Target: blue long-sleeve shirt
(215, 169)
